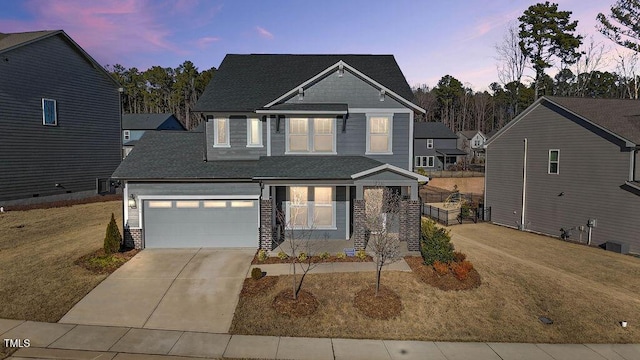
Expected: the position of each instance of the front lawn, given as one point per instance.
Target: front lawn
(38, 250)
(585, 291)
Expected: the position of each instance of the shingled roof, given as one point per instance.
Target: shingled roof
(249, 82)
(619, 116)
(432, 130)
(11, 40)
(145, 121)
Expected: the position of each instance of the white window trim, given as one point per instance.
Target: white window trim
(557, 162)
(249, 144)
(418, 161)
(55, 112)
(127, 134)
(215, 133)
(368, 134)
(310, 136)
(429, 143)
(310, 210)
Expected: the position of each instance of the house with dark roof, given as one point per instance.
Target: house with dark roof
(59, 119)
(297, 142)
(472, 143)
(569, 167)
(135, 125)
(434, 146)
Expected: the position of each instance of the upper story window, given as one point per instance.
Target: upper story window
(254, 133)
(49, 112)
(127, 134)
(311, 135)
(221, 132)
(554, 161)
(379, 134)
(429, 143)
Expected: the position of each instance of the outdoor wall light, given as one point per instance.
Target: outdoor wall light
(132, 202)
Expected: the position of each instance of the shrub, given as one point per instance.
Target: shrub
(325, 255)
(435, 243)
(460, 271)
(256, 273)
(341, 255)
(112, 238)
(441, 268)
(283, 255)
(262, 255)
(302, 256)
(467, 265)
(459, 257)
(361, 254)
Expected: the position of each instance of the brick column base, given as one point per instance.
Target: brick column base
(359, 225)
(413, 225)
(266, 225)
(133, 238)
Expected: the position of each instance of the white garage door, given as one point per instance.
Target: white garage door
(200, 223)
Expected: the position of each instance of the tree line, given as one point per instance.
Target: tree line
(543, 37)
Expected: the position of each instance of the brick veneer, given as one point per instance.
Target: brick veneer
(359, 225)
(411, 226)
(133, 238)
(266, 226)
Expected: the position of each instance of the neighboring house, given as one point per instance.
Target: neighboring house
(565, 163)
(135, 125)
(307, 135)
(434, 146)
(471, 142)
(59, 119)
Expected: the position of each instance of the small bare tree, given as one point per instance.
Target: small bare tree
(298, 233)
(627, 67)
(382, 209)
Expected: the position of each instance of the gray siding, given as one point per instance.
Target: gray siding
(593, 166)
(86, 143)
(133, 135)
(636, 175)
(420, 149)
(354, 140)
(177, 189)
(238, 141)
(347, 89)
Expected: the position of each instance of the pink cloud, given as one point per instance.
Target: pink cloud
(204, 42)
(264, 33)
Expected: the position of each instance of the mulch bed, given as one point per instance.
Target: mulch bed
(387, 305)
(446, 282)
(314, 259)
(99, 263)
(305, 305)
(253, 287)
(65, 203)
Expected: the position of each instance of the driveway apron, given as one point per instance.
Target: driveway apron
(169, 289)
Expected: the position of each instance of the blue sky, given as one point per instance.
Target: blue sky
(429, 39)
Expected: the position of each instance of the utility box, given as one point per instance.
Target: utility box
(617, 247)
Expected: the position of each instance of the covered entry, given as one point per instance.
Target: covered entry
(188, 223)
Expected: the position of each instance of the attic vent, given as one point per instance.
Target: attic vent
(382, 94)
(300, 94)
(340, 70)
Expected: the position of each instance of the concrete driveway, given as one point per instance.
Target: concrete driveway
(169, 289)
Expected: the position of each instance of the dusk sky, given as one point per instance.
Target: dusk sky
(429, 39)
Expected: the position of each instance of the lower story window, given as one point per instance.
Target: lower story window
(425, 161)
(311, 207)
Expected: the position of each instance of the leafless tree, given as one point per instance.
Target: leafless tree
(512, 62)
(381, 210)
(627, 68)
(592, 60)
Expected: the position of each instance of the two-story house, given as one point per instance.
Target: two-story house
(135, 125)
(569, 167)
(59, 119)
(285, 135)
(434, 146)
(471, 142)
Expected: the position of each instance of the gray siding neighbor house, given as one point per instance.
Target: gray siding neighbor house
(472, 142)
(135, 125)
(434, 146)
(569, 167)
(59, 118)
(294, 142)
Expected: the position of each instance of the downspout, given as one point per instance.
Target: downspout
(260, 216)
(524, 185)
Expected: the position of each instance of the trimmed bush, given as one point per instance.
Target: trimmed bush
(361, 254)
(283, 255)
(435, 243)
(302, 257)
(256, 273)
(341, 255)
(460, 270)
(441, 268)
(112, 238)
(262, 255)
(325, 255)
(459, 257)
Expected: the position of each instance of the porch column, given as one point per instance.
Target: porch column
(359, 224)
(410, 223)
(266, 225)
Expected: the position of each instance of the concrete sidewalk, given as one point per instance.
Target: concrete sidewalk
(84, 342)
(330, 267)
